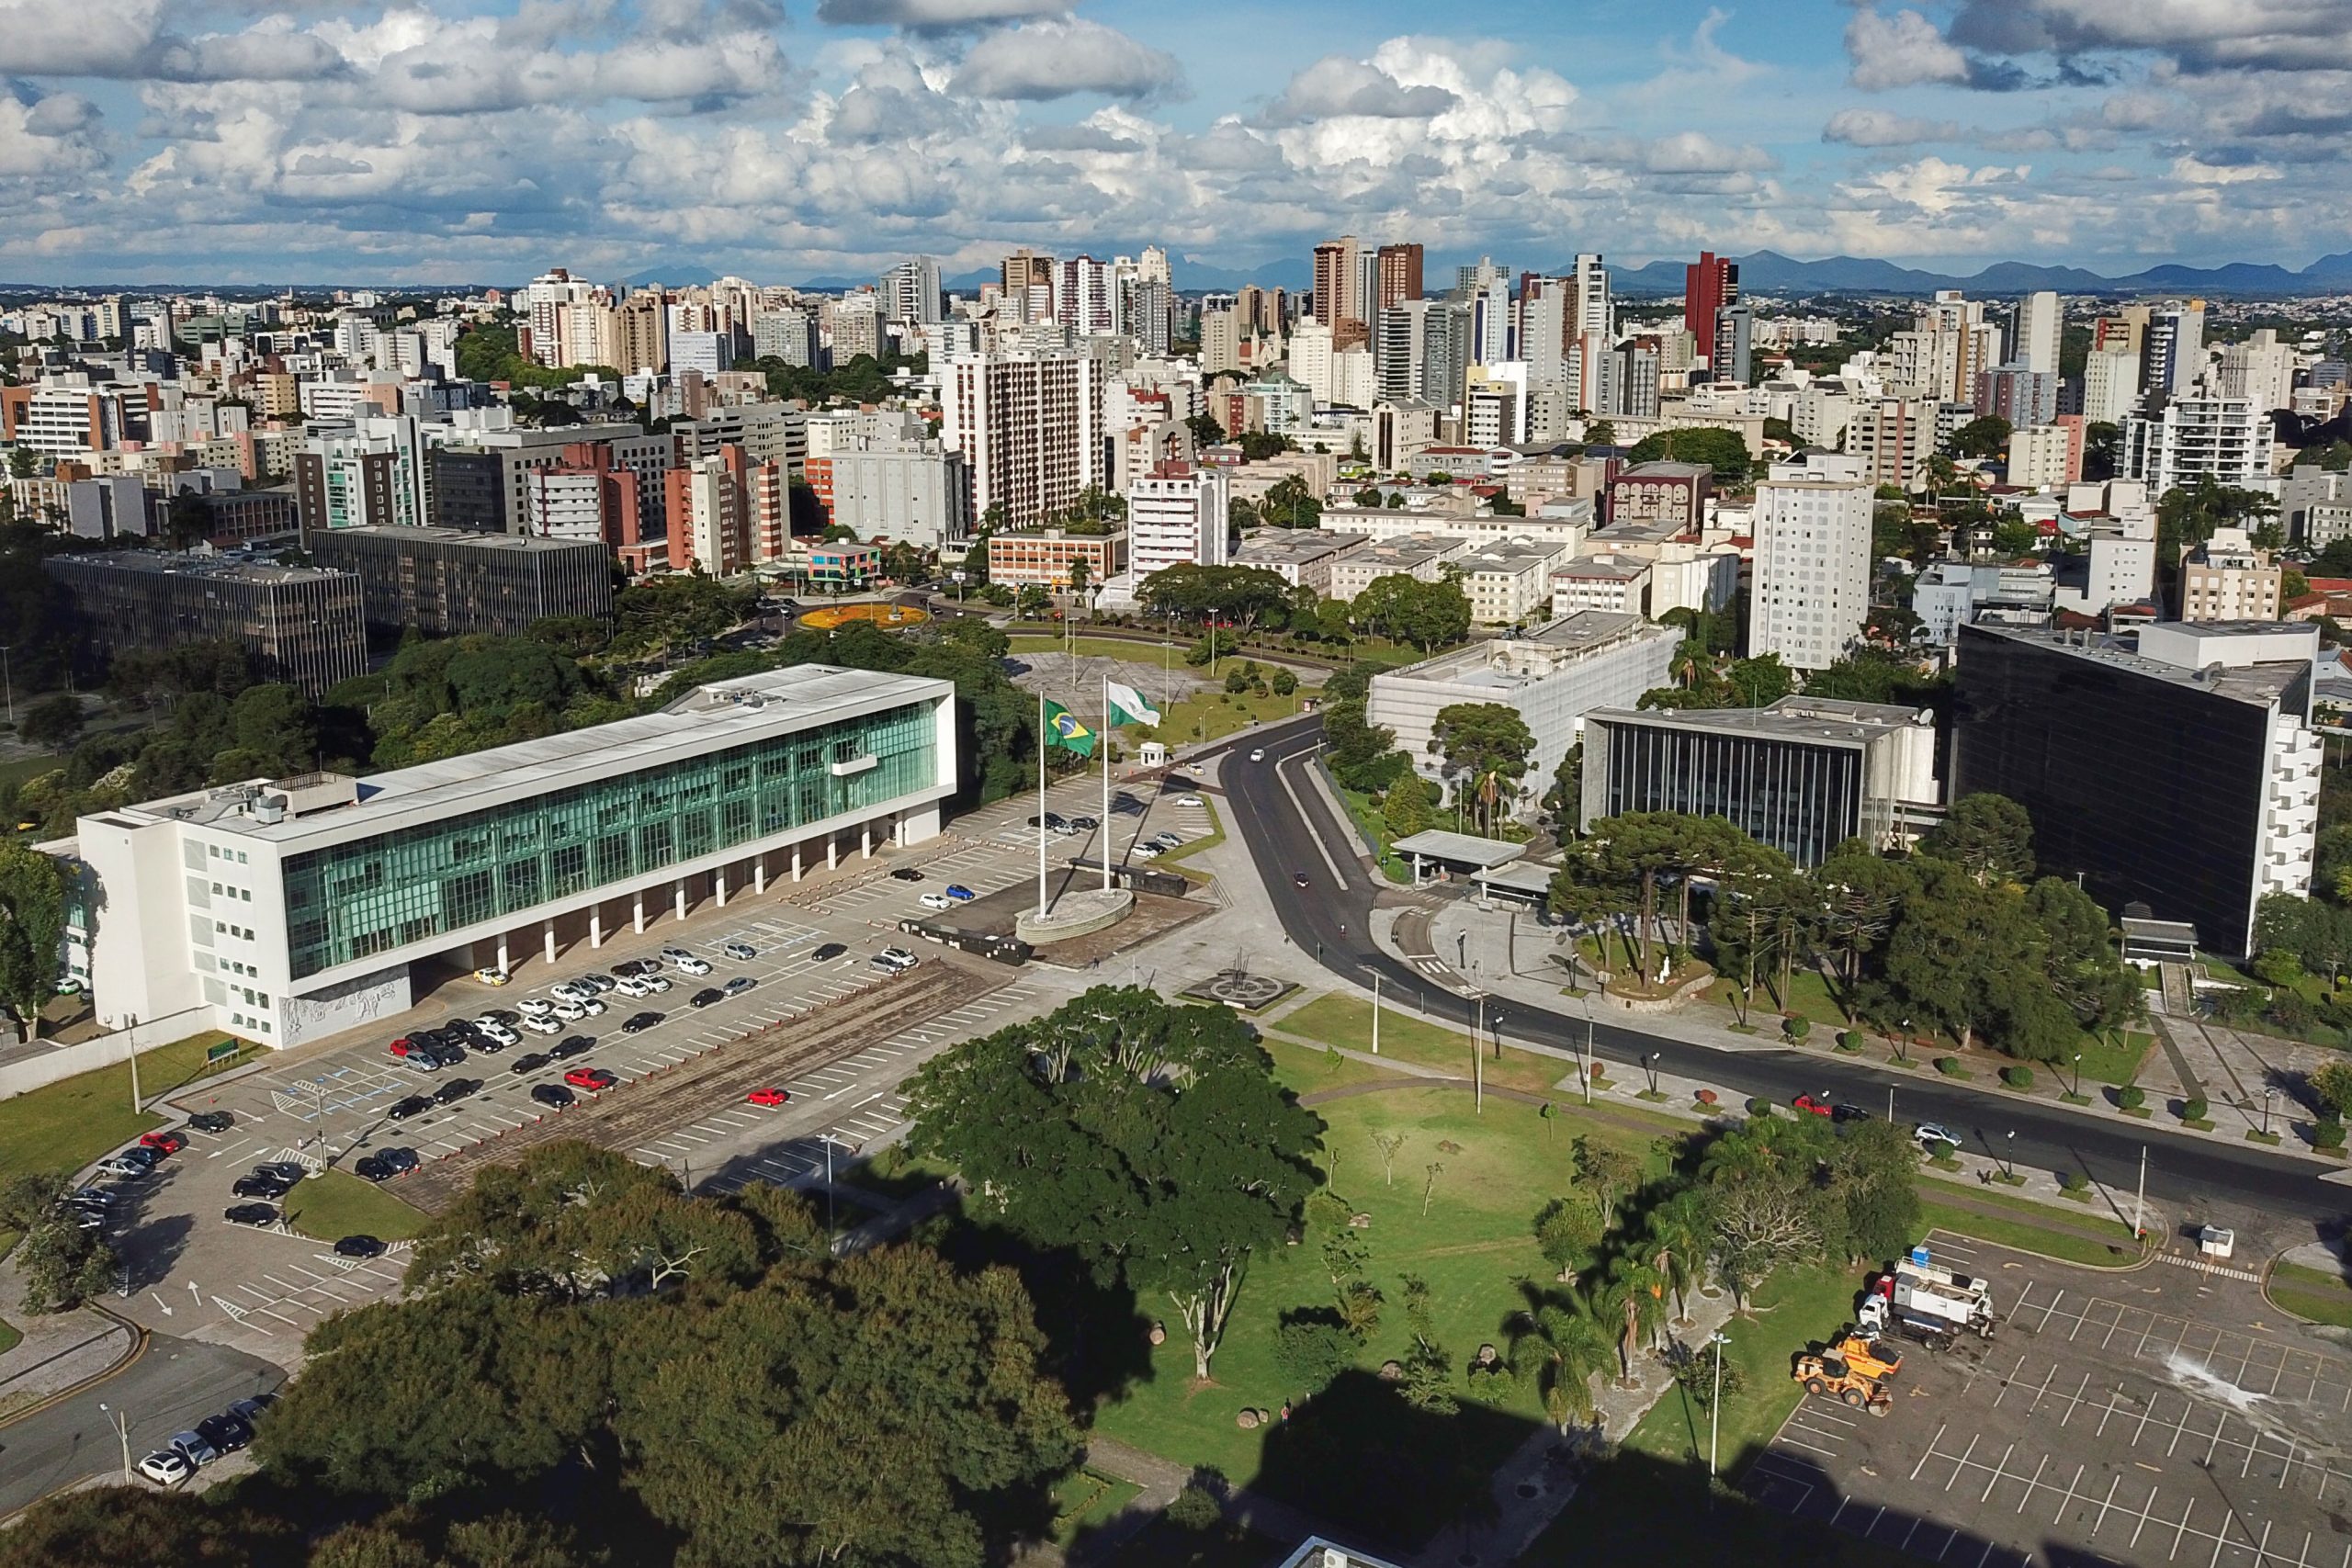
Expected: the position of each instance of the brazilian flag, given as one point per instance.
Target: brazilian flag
(1063, 729)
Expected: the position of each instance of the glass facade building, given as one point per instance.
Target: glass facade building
(353, 900)
(1802, 799)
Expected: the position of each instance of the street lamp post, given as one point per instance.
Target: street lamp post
(1715, 1405)
(1498, 1034)
(1584, 1066)
(2078, 1074)
(1462, 950)
(120, 1421)
(1901, 1039)
(2009, 1161)
(2269, 1097)
(1650, 1063)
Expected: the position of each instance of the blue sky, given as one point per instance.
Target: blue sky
(461, 140)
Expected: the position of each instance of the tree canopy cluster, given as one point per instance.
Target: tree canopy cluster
(1428, 615)
(1724, 451)
(593, 1367)
(861, 379)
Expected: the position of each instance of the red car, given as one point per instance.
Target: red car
(162, 1143)
(403, 1047)
(1817, 1106)
(590, 1079)
(769, 1097)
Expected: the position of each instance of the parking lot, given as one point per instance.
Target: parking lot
(2149, 1416)
(192, 1273)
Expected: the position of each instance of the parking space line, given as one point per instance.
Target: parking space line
(1931, 1449)
(2147, 1512)
(2181, 1530)
(2007, 1382)
(2076, 1401)
(2046, 1379)
(2034, 1482)
(1962, 1465)
(2104, 1506)
(1997, 1469)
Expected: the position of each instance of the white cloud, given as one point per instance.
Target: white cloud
(2200, 35)
(1878, 128)
(933, 15)
(1336, 84)
(1055, 58)
(1900, 51)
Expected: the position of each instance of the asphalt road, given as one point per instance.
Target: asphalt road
(1335, 924)
(177, 1384)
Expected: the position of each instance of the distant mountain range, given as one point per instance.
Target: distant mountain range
(1768, 272)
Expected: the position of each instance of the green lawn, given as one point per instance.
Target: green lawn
(1215, 836)
(67, 1124)
(2317, 1294)
(1101, 647)
(8, 1338)
(336, 1203)
(2027, 1231)
(1347, 1452)
(1212, 715)
(24, 767)
(2112, 1057)
(1084, 1497)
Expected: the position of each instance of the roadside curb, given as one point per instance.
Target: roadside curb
(2263, 1285)
(140, 1339)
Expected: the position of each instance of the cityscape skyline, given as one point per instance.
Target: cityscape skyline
(239, 141)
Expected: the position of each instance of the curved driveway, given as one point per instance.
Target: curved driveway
(1334, 923)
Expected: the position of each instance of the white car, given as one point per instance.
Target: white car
(491, 977)
(1930, 1134)
(569, 991)
(569, 1010)
(676, 954)
(543, 1025)
(1189, 800)
(1146, 850)
(634, 988)
(127, 1170)
(936, 901)
(591, 1007)
(1257, 756)
(494, 1029)
(690, 964)
(166, 1467)
(659, 982)
(535, 1006)
(893, 961)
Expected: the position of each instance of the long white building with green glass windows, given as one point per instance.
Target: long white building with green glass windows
(288, 910)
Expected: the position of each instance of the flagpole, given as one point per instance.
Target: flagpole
(1041, 804)
(1104, 848)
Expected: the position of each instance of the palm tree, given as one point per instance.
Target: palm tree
(1490, 789)
(1635, 1302)
(1560, 1345)
(1675, 1242)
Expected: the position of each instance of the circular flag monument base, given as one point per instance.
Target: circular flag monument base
(1075, 914)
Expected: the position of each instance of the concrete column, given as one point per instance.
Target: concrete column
(760, 873)
(550, 928)
(682, 898)
(832, 851)
(503, 966)
(865, 841)
(597, 925)
(638, 912)
(718, 880)
(796, 862)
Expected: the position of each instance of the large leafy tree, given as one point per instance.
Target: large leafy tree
(1152, 1140)
(32, 928)
(109, 1526)
(1724, 451)
(1479, 743)
(1427, 614)
(1989, 835)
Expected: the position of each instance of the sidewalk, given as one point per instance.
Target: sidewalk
(1531, 975)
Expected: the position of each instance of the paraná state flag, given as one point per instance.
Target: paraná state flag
(1129, 705)
(1063, 729)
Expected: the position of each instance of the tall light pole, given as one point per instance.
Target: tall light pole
(2078, 1074)
(120, 1421)
(1498, 1034)
(1584, 1066)
(2009, 1163)
(2269, 1096)
(1477, 1061)
(1650, 1063)
(1715, 1405)
(1376, 1012)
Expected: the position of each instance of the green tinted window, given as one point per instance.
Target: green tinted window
(366, 898)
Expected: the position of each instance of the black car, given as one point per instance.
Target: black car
(906, 873)
(400, 1160)
(359, 1246)
(484, 1043)
(373, 1168)
(256, 1214)
(285, 1170)
(414, 1105)
(260, 1186)
(638, 1021)
(251, 1410)
(456, 1089)
(1849, 1113)
(506, 1016)
(529, 1062)
(225, 1433)
(552, 1094)
(828, 952)
(212, 1120)
(630, 968)
(1084, 824)
(707, 996)
(570, 1045)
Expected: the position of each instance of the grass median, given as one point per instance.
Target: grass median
(335, 1203)
(65, 1125)
(2027, 1226)
(2313, 1294)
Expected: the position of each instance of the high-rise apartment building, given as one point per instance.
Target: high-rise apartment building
(2261, 370)
(2227, 579)
(1399, 272)
(1177, 515)
(705, 510)
(1031, 429)
(1710, 287)
(2040, 326)
(2225, 438)
(1028, 287)
(1811, 595)
(375, 471)
(1338, 283)
(1594, 312)
(2175, 354)
(910, 291)
(1424, 351)
(1893, 438)
(2017, 394)
(1084, 301)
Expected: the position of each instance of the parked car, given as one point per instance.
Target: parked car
(414, 1105)
(506, 1016)
(592, 1008)
(660, 983)
(827, 952)
(164, 1142)
(492, 976)
(693, 966)
(166, 1467)
(225, 1433)
(498, 1029)
(741, 952)
(1843, 1112)
(1084, 824)
(260, 1216)
(455, 1090)
(639, 1021)
(534, 1007)
(194, 1448)
(569, 1010)
(212, 1120)
(124, 1167)
(628, 968)
(259, 1186)
(676, 955)
(738, 984)
(769, 1097)
(1188, 800)
(961, 894)
(599, 983)
(552, 1095)
(570, 1045)
(1930, 1134)
(707, 996)
(635, 988)
(529, 1062)
(285, 1170)
(1817, 1105)
(569, 991)
(251, 1410)
(373, 1168)
(358, 1247)
(591, 1078)
(936, 901)
(400, 1160)
(893, 961)
(549, 1025)
(490, 1045)
(906, 873)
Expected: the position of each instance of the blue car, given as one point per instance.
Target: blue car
(960, 893)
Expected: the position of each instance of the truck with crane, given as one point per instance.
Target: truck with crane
(1924, 1302)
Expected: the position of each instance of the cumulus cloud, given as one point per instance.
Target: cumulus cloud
(1878, 128)
(2200, 35)
(1901, 51)
(932, 16)
(1054, 58)
(1336, 84)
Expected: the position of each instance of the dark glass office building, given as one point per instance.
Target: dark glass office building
(2171, 783)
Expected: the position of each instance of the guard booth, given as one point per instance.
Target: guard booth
(1437, 855)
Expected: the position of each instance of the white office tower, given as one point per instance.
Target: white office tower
(2261, 370)
(1490, 319)
(1544, 328)
(2200, 434)
(1084, 297)
(546, 301)
(1177, 515)
(1595, 313)
(2117, 529)
(909, 290)
(2038, 326)
(2111, 384)
(1031, 428)
(1310, 360)
(1812, 588)
(2176, 348)
(1152, 267)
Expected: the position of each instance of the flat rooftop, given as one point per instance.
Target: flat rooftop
(465, 538)
(1294, 545)
(1464, 849)
(213, 569)
(1405, 550)
(2260, 684)
(708, 718)
(1791, 718)
(1480, 664)
(1509, 555)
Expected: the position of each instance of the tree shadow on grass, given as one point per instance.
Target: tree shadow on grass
(1097, 1339)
